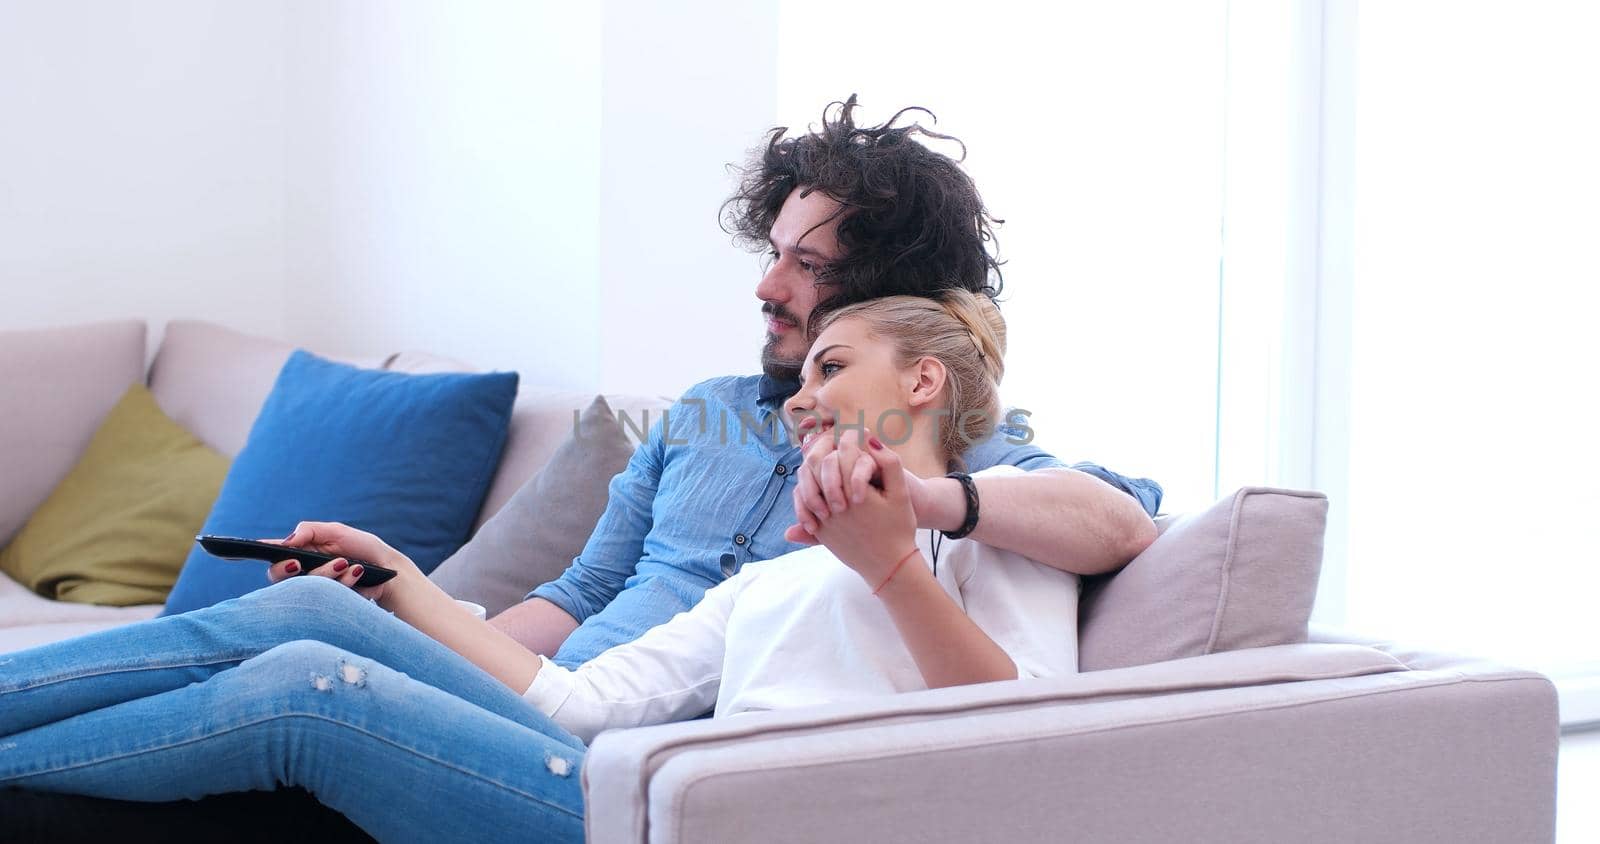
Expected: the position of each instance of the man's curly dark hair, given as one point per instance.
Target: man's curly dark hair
(911, 219)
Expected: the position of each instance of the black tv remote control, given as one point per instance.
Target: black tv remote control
(234, 548)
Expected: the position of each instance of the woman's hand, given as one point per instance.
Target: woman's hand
(413, 599)
(345, 542)
(836, 474)
(878, 526)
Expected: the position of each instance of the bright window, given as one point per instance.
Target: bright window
(1095, 130)
(1391, 213)
(1474, 453)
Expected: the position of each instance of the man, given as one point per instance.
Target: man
(847, 213)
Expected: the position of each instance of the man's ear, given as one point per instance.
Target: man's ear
(926, 381)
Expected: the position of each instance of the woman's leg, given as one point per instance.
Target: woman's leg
(60, 680)
(400, 758)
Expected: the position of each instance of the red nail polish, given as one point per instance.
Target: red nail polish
(340, 565)
(874, 442)
(293, 567)
(356, 570)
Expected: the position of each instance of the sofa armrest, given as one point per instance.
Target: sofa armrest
(1413, 656)
(1297, 742)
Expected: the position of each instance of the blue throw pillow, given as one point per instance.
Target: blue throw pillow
(407, 457)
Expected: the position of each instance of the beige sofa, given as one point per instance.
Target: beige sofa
(1336, 739)
(59, 383)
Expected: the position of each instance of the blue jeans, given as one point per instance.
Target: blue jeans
(303, 683)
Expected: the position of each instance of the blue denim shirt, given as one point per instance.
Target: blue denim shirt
(710, 490)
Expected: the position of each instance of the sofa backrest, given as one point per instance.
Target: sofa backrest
(61, 382)
(56, 387)
(541, 420)
(213, 381)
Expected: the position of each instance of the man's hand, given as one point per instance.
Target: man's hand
(344, 542)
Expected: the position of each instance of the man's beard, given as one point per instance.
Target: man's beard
(780, 368)
(775, 366)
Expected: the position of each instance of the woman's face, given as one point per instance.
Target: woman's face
(850, 378)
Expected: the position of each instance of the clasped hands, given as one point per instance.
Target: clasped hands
(854, 496)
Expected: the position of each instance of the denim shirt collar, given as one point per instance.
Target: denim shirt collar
(770, 395)
(771, 390)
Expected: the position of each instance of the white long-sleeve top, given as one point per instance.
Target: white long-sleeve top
(804, 629)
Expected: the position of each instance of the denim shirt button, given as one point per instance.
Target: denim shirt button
(782, 469)
(739, 539)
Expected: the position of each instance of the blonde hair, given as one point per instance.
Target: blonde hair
(962, 330)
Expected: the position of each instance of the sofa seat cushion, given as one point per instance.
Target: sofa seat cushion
(406, 457)
(1241, 574)
(34, 635)
(21, 608)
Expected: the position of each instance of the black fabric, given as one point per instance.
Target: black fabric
(289, 814)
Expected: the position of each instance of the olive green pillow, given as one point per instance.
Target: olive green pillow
(119, 526)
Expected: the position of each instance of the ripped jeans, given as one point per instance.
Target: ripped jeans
(303, 683)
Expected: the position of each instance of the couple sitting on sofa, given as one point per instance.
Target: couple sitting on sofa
(881, 302)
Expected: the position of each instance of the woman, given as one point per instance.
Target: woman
(443, 725)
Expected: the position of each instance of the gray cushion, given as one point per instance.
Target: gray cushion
(536, 535)
(1242, 574)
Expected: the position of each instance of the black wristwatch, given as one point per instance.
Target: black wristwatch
(971, 521)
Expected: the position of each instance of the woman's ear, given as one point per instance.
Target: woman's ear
(926, 381)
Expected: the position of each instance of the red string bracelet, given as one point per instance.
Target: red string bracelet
(896, 568)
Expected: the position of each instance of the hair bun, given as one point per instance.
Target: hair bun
(984, 324)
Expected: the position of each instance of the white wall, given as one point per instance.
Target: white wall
(522, 185)
(141, 164)
(443, 164)
(688, 89)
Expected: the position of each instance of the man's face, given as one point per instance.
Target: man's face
(804, 241)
